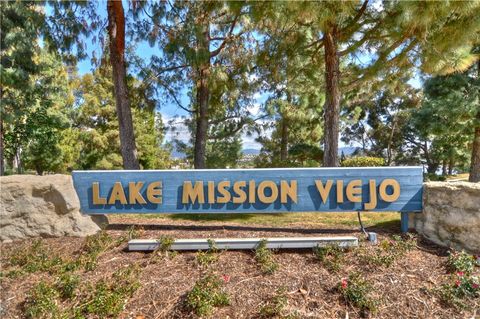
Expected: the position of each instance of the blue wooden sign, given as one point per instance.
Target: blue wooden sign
(250, 190)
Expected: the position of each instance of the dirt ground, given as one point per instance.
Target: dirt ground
(403, 290)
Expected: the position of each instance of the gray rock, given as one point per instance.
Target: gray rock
(43, 206)
(451, 215)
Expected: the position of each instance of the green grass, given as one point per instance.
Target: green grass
(387, 219)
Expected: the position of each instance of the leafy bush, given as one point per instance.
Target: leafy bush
(166, 243)
(363, 161)
(460, 288)
(207, 294)
(432, 177)
(264, 257)
(356, 291)
(208, 257)
(461, 262)
(330, 256)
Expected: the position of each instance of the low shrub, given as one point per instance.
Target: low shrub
(206, 258)
(67, 284)
(363, 161)
(94, 246)
(330, 256)
(388, 251)
(165, 243)
(41, 302)
(110, 296)
(265, 258)
(356, 291)
(134, 232)
(206, 294)
(461, 262)
(274, 307)
(432, 177)
(460, 288)
(35, 258)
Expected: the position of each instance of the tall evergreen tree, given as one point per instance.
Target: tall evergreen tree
(70, 27)
(388, 38)
(116, 38)
(207, 48)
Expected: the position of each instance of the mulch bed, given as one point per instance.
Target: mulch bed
(402, 289)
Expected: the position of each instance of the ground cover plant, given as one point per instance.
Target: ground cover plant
(265, 258)
(207, 294)
(423, 281)
(331, 256)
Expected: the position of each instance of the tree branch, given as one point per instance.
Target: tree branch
(227, 38)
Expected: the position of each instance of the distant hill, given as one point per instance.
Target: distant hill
(250, 151)
(178, 155)
(348, 150)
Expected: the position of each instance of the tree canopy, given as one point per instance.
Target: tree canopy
(398, 80)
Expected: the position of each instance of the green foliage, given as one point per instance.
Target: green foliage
(67, 284)
(356, 291)
(94, 246)
(110, 296)
(98, 144)
(106, 299)
(388, 251)
(206, 294)
(208, 257)
(331, 256)
(265, 258)
(35, 257)
(166, 243)
(275, 307)
(432, 177)
(363, 161)
(41, 302)
(461, 262)
(134, 232)
(460, 288)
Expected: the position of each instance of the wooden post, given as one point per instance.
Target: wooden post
(404, 222)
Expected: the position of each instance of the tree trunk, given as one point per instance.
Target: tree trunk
(284, 140)
(202, 100)
(390, 141)
(116, 33)
(451, 164)
(332, 98)
(475, 161)
(444, 167)
(18, 160)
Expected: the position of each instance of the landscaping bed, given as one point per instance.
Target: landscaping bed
(96, 277)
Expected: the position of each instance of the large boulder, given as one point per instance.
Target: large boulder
(43, 206)
(451, 215)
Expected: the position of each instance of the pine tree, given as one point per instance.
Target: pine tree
(392, 37)
(206, 49)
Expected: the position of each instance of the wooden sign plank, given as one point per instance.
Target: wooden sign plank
(250, 190)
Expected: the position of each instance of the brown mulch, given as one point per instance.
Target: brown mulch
(402, 289)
